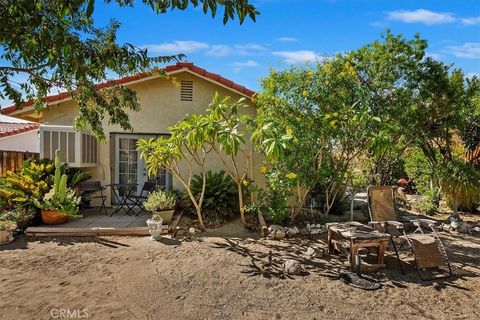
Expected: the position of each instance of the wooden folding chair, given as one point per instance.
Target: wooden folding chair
(427, 249)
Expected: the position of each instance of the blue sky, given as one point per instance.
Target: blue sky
(294, 31)
(297, 31)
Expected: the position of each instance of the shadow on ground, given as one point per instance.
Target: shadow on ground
(266, 258)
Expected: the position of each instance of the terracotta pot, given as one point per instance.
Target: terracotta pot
(53, 217)
(6, 236)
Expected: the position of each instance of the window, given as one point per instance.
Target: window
(186, 90)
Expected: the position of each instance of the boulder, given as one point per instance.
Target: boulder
(291, 266)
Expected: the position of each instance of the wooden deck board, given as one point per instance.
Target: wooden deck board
(87, 232)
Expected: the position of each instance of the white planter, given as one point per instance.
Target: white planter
(155, 229)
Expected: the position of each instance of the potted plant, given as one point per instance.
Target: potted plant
(59, 203)
(161, 203)
(155, 227)
(6, 231)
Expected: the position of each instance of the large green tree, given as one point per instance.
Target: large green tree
(55, 44)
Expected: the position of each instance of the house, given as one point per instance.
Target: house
(18, 140)
(163, 103)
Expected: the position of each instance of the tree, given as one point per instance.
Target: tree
(56, 46)
(225, 136)
(186, 145)
(311, 126)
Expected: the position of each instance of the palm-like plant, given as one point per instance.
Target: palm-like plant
(220, 199)
(460, 183)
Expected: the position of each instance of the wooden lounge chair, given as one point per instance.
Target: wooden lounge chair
(427, 248)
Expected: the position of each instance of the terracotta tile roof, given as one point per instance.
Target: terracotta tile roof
(168, 69)
(9, 129)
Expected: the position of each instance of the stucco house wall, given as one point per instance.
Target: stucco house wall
(161, 107)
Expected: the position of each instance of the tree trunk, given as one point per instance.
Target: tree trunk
(240, 203)
(200, 218)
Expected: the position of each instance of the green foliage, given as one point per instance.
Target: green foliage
(460, 183)
(311, 124)
(76, 176)
(59, 198)
(20, 216)
(19, 189)
(7, 225)
(429, 202)
(220, 199)
(418, 169)
(160, 201)
(60, 46)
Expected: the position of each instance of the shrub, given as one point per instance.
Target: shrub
(419, 170)
(220, 201)
(460, 183)
(429, 202)
(160, 201)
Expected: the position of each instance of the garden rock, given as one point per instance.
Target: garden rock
(276, 232)
(291, 266)
(454, 218)
(292, 231)
(446, 227)
(461, 227)
(311, 252)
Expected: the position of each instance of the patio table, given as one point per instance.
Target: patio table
(359, 236)
(122, 199)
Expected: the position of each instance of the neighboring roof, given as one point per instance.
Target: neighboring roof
(10, 128)
(178, 67)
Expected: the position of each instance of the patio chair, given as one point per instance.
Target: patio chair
(136, 201)
(427, 248)
(89, 190)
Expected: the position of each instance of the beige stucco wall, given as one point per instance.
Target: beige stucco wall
(160, 108)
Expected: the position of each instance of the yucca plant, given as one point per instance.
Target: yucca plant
(460, 184)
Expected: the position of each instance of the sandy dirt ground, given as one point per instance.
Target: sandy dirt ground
(219, 278)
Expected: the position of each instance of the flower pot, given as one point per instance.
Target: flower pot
(166, 215)
(155, 228)
(6, 236)
(53, 217)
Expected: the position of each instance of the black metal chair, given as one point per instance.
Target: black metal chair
(89, 190)
(134, 200)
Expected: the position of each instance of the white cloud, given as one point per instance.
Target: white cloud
(176, 47)
(421, 16)
(219, 50)
(300, 56)
(249, 49)
(287, 39)
(239, 66)
(471, 21)
(470, 50)
(433, 55)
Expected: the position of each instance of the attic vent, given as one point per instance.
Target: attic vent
(186, 90)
